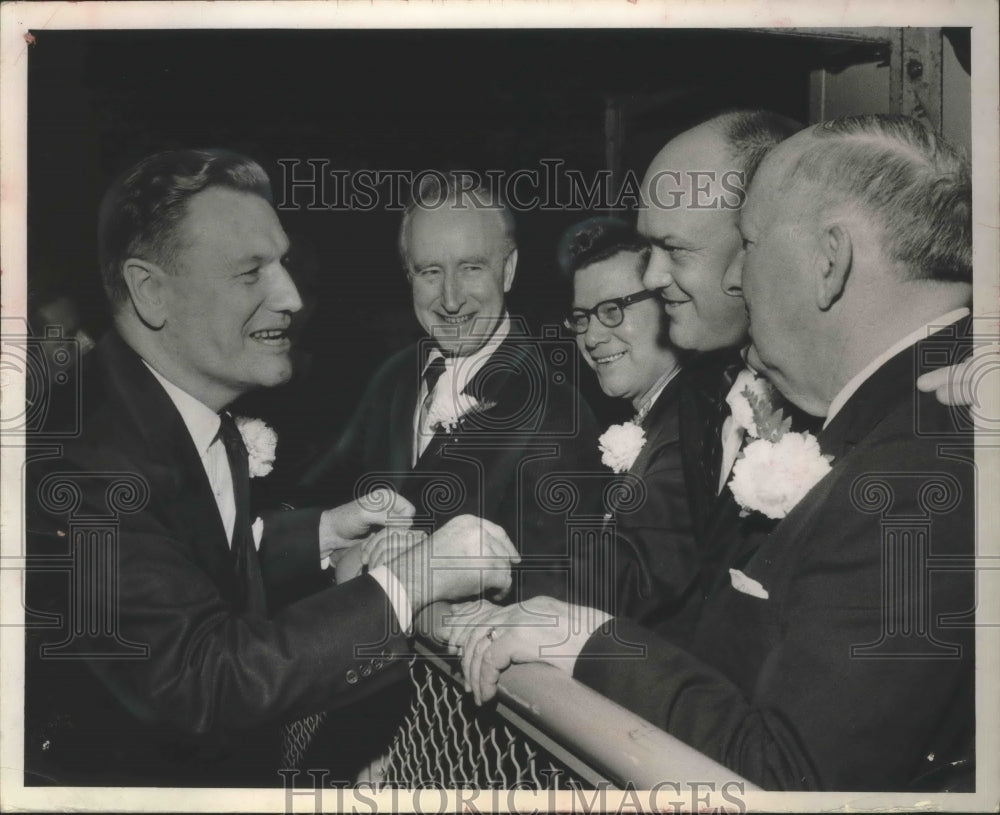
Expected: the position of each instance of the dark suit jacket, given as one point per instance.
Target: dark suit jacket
(189, 690)
(528, 463)
(851, 675)
(657, 559)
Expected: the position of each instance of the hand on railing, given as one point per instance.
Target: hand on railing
(541, 629)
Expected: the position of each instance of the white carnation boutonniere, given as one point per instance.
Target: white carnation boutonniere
(620, 445)
(447, 416)
(775, 470)
(261, 441)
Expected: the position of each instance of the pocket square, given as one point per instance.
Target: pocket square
(747, 585)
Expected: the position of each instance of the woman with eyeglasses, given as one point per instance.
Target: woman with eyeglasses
(620, 330)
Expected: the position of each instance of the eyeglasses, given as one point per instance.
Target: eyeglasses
(610, 313)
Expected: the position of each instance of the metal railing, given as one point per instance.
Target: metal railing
(545, 730)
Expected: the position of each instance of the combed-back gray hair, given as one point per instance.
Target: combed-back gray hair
(916, 185)
(454, 189)
(141, 210)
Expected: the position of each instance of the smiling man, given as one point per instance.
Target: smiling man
(164, 661)
(473, 417)
(838, 653)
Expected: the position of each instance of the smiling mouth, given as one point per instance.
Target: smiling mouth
(672, 302)
(459, 320)
(608, 359)
(271, 336)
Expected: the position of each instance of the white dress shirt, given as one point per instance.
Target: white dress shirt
(203, 424)
(458, 372)
(866, 373)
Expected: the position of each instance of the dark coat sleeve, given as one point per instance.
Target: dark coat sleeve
(209, 671)
(656, 558)
(803, 690)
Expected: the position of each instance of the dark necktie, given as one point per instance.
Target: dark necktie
(431, 376)
(249, 584)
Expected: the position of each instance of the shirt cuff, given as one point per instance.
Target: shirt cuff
(397, 596)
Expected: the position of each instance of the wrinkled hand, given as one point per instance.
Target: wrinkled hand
(465, 557)
(349, 523)
(491, 638)
(967, 382)
(382, 546)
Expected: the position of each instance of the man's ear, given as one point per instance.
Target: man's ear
(836, 251)
(145, 283)
(509, 268)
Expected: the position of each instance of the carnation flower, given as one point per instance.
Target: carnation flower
(772, 477)
(447, 414)
(620, 445)
(260, 441)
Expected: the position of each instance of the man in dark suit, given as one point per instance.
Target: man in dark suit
(479, 416)
(839, 654)
(160, 661)
(692, 194)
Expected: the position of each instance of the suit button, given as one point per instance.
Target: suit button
(366, 670)
(378, 663)
(352, 677)
(388, 656)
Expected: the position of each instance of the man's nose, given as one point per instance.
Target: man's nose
(657, 275)
(284, 294)
(452, 293)
(732, 280)
(596, 333)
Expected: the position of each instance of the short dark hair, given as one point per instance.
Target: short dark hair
(140, 212)
(437, 188)
(911, 181)
(751, 135)
(596, 239)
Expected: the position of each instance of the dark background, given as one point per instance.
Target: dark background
(400, 100)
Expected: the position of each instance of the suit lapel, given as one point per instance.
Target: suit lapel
(499, 380)
(658, 432)
(401, 411)
(702, 390)
(175, 467)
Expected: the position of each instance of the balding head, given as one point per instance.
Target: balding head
(692, 193)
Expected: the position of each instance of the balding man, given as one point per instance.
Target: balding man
(839, 654)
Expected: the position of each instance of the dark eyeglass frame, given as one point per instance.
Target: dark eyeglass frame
(621, 302)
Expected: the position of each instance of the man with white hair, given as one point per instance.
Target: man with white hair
(839, 653)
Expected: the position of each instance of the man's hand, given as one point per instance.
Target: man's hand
(541, 629)
(387, 544)
(466, 557)
(346, 525)
(967, 382)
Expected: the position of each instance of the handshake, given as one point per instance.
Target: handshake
(466, 557)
